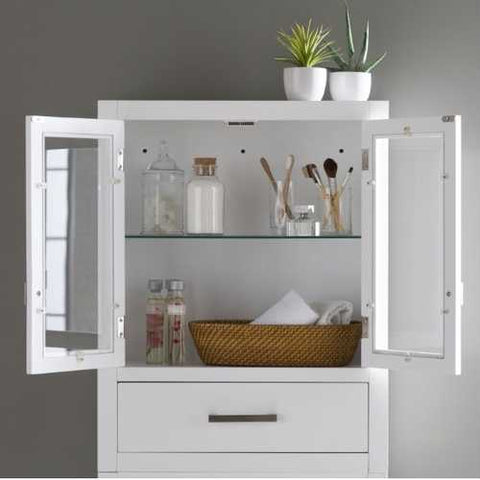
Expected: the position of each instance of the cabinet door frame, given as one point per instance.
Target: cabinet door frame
(37, 128)
(449, 128)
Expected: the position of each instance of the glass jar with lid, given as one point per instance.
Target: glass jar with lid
(205, 199)
(163, 192)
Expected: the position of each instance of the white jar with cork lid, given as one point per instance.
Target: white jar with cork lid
(205, 199)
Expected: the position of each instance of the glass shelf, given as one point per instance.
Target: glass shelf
(237, 237)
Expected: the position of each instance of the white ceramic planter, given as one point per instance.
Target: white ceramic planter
(350, 85)
(305, 83)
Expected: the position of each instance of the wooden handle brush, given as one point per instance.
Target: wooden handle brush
(268, 172)
(286, 186)
(311, 171)
(330, 166)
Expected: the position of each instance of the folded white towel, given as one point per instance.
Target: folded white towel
(291, 309)
(338, 312)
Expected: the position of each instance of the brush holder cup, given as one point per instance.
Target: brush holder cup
(336, 212)
(281, 207)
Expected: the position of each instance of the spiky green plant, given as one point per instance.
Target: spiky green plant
(308, 46)
(355, 63)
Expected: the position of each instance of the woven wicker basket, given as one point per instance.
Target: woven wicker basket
(238, 343)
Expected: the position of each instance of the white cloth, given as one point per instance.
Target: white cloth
(338, 312)
(291, 310)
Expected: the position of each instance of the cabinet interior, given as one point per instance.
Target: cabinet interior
(230, 278)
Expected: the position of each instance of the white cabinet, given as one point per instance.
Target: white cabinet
(87, 268)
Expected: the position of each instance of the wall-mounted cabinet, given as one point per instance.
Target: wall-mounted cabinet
(88, 264)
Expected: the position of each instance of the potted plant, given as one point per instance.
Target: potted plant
(352, 78)
(308, 47)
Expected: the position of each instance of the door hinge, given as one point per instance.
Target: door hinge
(121, 327)
(364, 327)
(448, 118)
(120, 164)
(364, 158)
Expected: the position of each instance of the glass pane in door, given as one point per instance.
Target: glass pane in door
(409, 245)
(78, 266)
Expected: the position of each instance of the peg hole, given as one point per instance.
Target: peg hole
(144, 150)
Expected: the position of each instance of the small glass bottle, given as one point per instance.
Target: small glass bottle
(157, 344)
(304, 223)
(176, 322)
(163, 192)
(205, 199)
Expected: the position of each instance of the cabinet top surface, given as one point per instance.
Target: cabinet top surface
(241, 111)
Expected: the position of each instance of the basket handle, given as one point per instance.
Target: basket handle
(269, 418)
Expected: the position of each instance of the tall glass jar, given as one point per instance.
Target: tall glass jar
(280, 205)
(163, 192)
(205, 199)
(337, 212)
(176, 322)
(157, 327)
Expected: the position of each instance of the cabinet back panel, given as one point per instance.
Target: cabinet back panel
(246, 185)
(240, 278)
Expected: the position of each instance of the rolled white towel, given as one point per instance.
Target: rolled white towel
(338, 312)
(290, 310)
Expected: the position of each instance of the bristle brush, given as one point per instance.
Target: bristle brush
(330, 166)
(347, 178)
(311, 171)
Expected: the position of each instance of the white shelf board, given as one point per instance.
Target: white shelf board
(241, 110)
(140, 372)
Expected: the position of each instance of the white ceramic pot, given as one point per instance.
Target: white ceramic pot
(350, 85)
(304, 83)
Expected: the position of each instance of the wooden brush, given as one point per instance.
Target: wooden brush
(286, 186)
(266, 168)
(268, 172)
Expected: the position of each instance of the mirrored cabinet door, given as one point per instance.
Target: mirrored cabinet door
(412, 194)
(75, 235)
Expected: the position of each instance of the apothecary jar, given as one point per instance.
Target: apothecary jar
(163, 193)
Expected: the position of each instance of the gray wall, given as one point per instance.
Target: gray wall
(58, 57)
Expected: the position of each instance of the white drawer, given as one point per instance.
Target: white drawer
(289, 417)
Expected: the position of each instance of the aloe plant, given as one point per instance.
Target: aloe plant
(355, 63)
(308, 46)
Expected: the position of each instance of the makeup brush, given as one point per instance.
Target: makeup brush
(286, 187)
(347, 178)
(330, 166)
(311, 171)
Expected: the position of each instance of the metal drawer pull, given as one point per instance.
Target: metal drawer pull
(242, 418)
